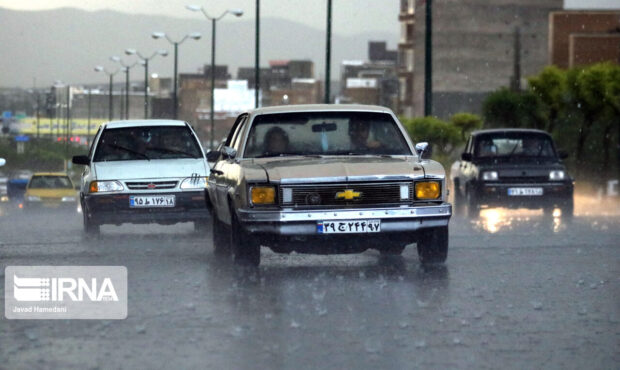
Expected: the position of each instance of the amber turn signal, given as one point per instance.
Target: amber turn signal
(263, 195)
(427, 190)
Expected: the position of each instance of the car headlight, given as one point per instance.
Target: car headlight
(427, 190)
(556, 175)
(263, 194)
(69, 199)
(33, 198)
(489, 175)
(194, 183)
(104, 186)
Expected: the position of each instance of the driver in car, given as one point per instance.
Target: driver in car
(359, 132)
(275, 141)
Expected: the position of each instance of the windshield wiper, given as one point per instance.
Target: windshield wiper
(174, 151)
(130, 151)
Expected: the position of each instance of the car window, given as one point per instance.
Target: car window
(146, 143)
(514, 144)
(235, 130)
(50, 182)
(238, 133)
(325, 133)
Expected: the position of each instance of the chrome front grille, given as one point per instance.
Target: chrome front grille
(152, 185)
(318, 195)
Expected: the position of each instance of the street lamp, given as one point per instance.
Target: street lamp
(328, 52)
(126, 67)
(111, 75)
(159, 35)
(235, 12)
(145, 62)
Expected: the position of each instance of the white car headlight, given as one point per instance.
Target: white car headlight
(33, 198)
(105, 186)
(489, 175)
(68, 199)
(194, 183)
(556, 175)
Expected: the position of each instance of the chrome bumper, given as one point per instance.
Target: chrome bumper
(303, 222)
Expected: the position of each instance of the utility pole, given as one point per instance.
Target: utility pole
(328, 51)
(256, 57)
(428, 61)
(515, 81)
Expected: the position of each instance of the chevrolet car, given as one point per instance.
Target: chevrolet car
(143, 171)
(325, 179)
(512, 168)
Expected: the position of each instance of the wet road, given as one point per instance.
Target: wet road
(518, 291)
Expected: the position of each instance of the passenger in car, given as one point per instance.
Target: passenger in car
(275, 141)
(359, 132)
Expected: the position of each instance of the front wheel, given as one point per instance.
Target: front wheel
(433, 245)
(91, 229)
(245, 250)
(473, 208)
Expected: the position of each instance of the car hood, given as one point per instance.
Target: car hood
(143, 169)
(330, 169)
(51, 193)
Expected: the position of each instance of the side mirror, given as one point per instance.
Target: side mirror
(2, 162)
(213, 155)
(466, 157)
(420, 148)
(562, 154)
(81, 159)
(229, 152)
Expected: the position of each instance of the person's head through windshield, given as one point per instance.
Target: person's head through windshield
(275, 141)
(531, 146)
(359, 133)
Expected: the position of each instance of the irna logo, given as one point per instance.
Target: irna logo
(59, 289)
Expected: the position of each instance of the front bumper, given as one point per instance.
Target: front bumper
(554, 194)
(304, 222)
(114, 208)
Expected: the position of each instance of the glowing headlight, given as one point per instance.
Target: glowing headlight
(556, 175)
(68, 199)
(263, 194)
(194, 183)
(427, 190)
(104, 186)
(489, 176)
(33, 198)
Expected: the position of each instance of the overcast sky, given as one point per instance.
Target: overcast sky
(362, 15)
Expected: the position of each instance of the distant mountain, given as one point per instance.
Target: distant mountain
(65, 44)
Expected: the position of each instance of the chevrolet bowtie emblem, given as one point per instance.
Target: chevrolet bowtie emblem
(348, 194)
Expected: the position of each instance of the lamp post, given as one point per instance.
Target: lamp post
(235, 12)
(159, 35)
(256, 57)
(126, 68)
(111, 75)
(328, 51)
(145, 62)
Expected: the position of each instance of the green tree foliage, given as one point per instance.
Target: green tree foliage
(443, 136)
(465, 123)
(580, 107)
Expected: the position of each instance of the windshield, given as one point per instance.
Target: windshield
(325, 133)
(147, 142)
(50, 182)
(514, 144)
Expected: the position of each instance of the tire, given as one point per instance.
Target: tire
(219, 234)
(473, 208)
(459, 202)
(392, 250)
(433, 245)
(91, 229)
(245, 250)
(568, 210)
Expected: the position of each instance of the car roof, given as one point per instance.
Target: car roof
(509, 130)
(143, 122)
(319, 108)
(49, 174)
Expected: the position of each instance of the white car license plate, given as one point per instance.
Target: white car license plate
(151, 201)
(348, 226)
(525, 191)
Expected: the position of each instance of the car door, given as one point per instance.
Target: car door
(220, 177)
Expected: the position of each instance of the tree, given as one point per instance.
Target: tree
(465, 123)
(506, 108)
(550, 87)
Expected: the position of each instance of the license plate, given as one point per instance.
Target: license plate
(151, 201)
(348, 227)
(525, 191)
